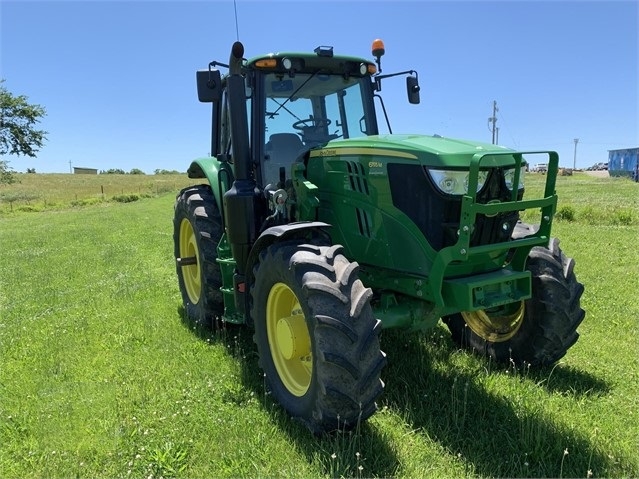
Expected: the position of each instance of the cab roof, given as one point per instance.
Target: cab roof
(322, 60)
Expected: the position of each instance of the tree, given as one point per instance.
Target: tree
(6, 173)
(18, 135)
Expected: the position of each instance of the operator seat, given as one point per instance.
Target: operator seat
(282, 149)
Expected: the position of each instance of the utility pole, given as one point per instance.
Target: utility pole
(493, 120)
(574, 161)
(70, 169)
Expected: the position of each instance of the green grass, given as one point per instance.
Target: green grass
(592, 200)
(101, 377)
(46, 192)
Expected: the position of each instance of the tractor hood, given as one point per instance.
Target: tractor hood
(434, 151)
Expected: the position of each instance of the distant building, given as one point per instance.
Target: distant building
(624, 162)
(78, 170)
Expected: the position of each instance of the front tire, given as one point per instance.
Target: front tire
(317, 338)
(197, 229)
(540, 330)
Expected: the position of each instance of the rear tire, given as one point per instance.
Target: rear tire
(550, 318)
(316, 335)
(197, 229)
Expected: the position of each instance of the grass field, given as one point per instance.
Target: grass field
(101, 377)
(33, 193)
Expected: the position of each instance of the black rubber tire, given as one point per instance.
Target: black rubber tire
(196, 204)
(551, 316)
(344, 378)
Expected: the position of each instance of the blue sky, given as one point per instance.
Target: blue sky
(118, 77)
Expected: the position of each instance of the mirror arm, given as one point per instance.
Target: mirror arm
(407, 72)
(378, 78)
(215, 63)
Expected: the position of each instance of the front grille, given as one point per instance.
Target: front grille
(437, 214)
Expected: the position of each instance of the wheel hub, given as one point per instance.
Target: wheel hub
(191, 271)
(289, 339)
(292, 337)
(496, 326)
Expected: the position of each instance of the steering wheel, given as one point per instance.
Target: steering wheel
(311, 123)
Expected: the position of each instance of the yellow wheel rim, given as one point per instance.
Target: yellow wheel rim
(288, 339)
(496, 326)
(190, 273)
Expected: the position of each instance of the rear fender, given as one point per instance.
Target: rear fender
(219, 175)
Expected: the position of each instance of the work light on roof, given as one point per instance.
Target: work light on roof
(323, 51)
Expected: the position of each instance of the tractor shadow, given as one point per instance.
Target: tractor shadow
(569, 381)
(339, 454)
(495, 434)
(504, 434)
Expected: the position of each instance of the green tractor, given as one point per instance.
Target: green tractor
(316, 231)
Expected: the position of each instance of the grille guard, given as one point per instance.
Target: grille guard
(462, 251)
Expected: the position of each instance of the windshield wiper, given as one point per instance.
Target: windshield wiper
(281, 105)
(294, 93)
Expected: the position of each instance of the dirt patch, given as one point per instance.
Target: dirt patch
(598, 174)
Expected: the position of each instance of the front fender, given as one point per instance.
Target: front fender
(302, 229)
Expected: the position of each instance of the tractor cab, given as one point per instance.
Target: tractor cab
(294, 103)
(302, 100)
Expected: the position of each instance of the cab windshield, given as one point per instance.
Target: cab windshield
(315, 107)
(308, 110)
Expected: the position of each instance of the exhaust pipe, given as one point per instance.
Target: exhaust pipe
(241, 201)
(237, 110)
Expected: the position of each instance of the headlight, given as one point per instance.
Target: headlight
(509, 177)
(455, 182)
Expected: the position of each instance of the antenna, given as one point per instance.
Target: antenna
(493, 120)
(237, 29)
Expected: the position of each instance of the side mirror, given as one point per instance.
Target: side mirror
(412, 88)
(209, 85)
